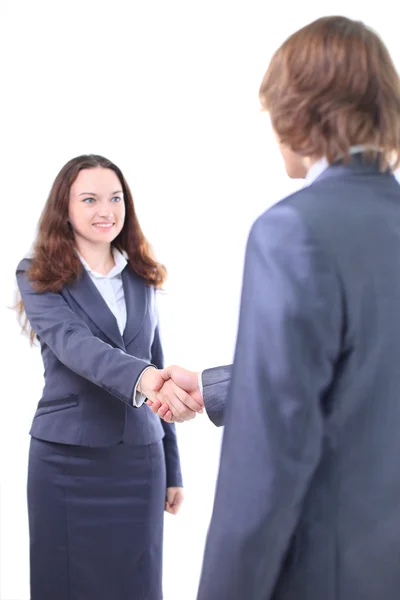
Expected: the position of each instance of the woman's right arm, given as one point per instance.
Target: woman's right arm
(75, 345)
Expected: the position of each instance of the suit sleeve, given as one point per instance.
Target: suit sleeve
(75, 345)
(288, 341)
(216, 383)
(174, 474)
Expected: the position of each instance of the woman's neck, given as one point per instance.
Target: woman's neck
(98, 257)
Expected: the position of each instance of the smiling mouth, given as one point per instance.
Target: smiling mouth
(103, 225)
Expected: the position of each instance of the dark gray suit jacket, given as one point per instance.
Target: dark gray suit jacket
(91, 370)
(308, 497)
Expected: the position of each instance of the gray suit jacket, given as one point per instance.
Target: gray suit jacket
(308, 497)
(90, 370)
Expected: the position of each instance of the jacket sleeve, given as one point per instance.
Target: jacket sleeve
(288, 344)
(216, 383)
(75, 345)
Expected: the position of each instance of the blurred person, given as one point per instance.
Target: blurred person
(307, 503)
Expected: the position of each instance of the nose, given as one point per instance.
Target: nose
(106, 212)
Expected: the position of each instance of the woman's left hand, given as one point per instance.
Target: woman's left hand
(174, 500)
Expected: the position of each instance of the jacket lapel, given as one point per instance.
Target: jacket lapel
(90, 300)
(136, 298)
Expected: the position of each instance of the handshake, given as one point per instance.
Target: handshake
(172, 393)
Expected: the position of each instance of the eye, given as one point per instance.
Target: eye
(89, 200)
(116, 199)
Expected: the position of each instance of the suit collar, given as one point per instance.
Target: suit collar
(357, 165)
(90, 300)
(356, 158)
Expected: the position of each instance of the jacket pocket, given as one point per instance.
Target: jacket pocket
(47, 405)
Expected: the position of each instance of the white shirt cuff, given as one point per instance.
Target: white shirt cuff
(200, 382)
(139, 398)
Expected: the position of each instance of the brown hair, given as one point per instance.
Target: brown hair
(55, 262)
(331, 85)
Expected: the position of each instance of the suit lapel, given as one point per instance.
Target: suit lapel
(90, 300)
(136, 298)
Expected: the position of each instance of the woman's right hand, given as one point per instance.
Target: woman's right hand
(151, 381)
(179, 399)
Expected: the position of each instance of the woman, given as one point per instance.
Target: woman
(101, 469)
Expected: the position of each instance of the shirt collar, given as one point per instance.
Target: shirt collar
(315, 171)
(322, 164)
(120, 264)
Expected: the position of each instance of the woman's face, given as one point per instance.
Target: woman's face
(96, 206)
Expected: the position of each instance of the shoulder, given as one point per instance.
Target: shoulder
(309, 199)
(296, 229)
(281, 220)
(314, 212)
(24, 265)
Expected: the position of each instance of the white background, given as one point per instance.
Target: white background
(168, 90)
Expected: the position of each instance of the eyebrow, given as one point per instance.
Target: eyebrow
(93, 194)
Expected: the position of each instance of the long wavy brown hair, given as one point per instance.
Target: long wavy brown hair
(54, 261)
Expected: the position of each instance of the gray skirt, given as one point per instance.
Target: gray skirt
(96, 521)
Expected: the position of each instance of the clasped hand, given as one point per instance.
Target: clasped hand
(172, 393)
